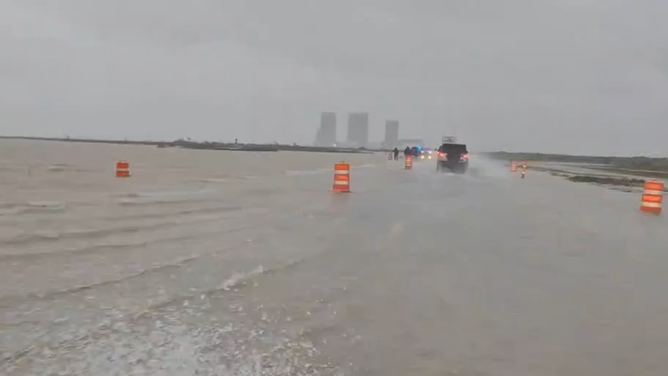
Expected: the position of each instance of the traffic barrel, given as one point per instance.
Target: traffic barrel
(652, 197)
(409, 163)
(123, 169)
(513, 166)
(524, 169)
(341, 178)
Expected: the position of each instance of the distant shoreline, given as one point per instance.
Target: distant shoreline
(85, 140)
(605, 162)
(203, 145)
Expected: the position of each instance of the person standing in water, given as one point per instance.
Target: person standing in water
(395, 152)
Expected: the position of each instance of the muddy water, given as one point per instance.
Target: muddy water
(222, 263)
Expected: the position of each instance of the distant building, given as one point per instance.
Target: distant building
(358, 129)
(391, 134)
(326, 135)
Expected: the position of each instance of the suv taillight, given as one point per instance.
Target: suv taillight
(441, 155)
(465, 156)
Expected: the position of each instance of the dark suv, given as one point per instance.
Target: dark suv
(453, 157)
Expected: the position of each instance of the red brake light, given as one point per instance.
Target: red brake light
(465, 156)
(441, 155)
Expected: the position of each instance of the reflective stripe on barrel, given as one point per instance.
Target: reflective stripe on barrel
(409, 163)
(652, 197)
(341, 178)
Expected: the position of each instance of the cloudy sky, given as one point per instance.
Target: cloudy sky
(578, 76)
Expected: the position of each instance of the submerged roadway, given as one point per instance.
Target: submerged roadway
(412, 273)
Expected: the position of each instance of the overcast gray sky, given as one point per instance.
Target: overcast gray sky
(579, 76)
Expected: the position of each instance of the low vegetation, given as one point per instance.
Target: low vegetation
(633, 163)
(607, 180)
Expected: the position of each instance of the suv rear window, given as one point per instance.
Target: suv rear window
(453, 148)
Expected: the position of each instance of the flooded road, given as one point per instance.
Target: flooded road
(223, 263)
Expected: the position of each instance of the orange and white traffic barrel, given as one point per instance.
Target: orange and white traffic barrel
(652, 197)
(341, 178)
(513, 166)
(122, 169)
(409, 163)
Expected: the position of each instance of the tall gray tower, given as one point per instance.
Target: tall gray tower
(391, 134)
(358, 129)
(327, 131)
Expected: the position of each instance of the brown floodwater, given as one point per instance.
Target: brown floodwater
(235, 263)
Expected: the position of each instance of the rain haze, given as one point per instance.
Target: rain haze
(337, 259)
(560, 76)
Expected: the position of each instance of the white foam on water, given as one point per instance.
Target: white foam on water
(163, 345)
(238, 279)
